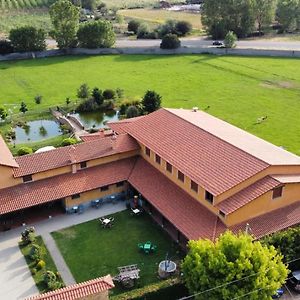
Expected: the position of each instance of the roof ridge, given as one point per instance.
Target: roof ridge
(166, 109)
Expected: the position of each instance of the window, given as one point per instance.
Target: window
(27, 178)
(75, 196)
(277, 192)
(194, 186)
(119, 184)
(147, 151)
(169, 167)
(104, 188)
(222, 214)
(209, 197)
(180, 176)
(83, 165)
(157, 159)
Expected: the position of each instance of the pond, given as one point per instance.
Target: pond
(98, 119)
(37, 130)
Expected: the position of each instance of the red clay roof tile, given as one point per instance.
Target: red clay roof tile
(248, 194)
(208, 160)
(6, 158)
(78, 290)
(184, 212)
(273, 221)
(39, 162)
(57, 187)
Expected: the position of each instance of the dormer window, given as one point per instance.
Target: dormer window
(27, 178)
(209, 197)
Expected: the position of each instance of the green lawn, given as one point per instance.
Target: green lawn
(91, 251)
(46, 257)
(237, 89)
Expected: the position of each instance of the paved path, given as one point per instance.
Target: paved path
(15, 279)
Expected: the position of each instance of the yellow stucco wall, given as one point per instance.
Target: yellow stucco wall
(264, 204)
(6, 177)
(93, 195)
(186, 185)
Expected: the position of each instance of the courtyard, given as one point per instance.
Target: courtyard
(91, 251)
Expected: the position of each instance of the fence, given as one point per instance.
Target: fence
(150, 50)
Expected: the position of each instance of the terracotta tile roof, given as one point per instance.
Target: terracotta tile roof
(239, 138)
(79, 290)
(96, 135)
(273, 221)
(39, 162)
(6, 158)
(187, 215)
(248, 194)
(42, 191)
(119, 126)
(288, 178)
(208, 160)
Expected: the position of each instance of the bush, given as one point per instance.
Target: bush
(96, 34)
(83, 92)
(143, 31)
(170, 41)
(167, 28)
(97, 96)
(24, 150)
(88, 105)
(33, 271)
(125, 104)
(38, 99)
(3, 113)
(109, 94)
(51, 281)
(183, 28)
(151, 101)
(68, 141)
(28, 38)
(133, 25)
(6, 47)
(230, 40)
(41, 264)
(132, 112)
(35, 252)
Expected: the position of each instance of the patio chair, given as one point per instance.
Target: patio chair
(112, 219)
(153, 248)
(141, 246)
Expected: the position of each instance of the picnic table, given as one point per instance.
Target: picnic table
(147, 247)
(136, 211)
(127, 275)
(106, 222)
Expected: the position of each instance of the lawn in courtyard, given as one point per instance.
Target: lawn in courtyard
(91, 251)
(236, 89)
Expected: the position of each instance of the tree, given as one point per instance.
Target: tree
(96, 34)
(109, 94)
(170, 41)
(264, 12)
(23, 107)
(89, 4)
(228, 15)
(97, 95)
(38, 99)
(183, 28)
(167, 28)
(249, 267)
(288, 13)
(151, 101)
(27, 38)
(24, 151)
(230, 40)
(83, 92)
(3, 113)
(133, 25)
(65, 19)
(132, 112)
(68, 101)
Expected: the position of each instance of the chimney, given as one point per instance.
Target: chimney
(73, 159)
(195, 109)
(114, 141)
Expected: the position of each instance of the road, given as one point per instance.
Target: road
(204, 42)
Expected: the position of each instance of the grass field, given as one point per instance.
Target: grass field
(19, 4)
(17, 18)
(238, 89)
(159, 16)
(91, 251)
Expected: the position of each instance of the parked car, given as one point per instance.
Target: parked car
(218, 43)
(294, 281)
(278, 294)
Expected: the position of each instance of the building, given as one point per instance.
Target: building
(95, 289)
(196, 175)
